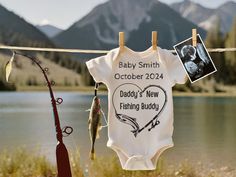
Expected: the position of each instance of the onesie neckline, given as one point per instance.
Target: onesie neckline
(143, 54)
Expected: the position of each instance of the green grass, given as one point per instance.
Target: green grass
(22, 163)
(104, 167)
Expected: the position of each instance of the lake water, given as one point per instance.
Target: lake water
(205, 127)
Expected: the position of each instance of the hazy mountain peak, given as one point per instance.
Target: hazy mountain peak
(187, 7)
(207, 17)
(137, 18)
(121, 9)
(229, 3)
(131, 12)
(122, 3)
(49, 30)
(122, 15)
(188, 1)
(228, 7)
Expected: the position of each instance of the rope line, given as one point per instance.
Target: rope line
(53, 49)
(91, 51)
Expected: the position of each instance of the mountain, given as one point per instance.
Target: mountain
(14, 30)
(49, 30)
(206, 17)
(137, 18)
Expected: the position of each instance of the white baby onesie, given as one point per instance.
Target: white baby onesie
(140, 104)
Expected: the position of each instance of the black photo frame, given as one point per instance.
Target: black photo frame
(195, 60)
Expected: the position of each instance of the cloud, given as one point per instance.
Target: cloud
(44, 22)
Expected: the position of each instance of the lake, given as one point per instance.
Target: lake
(205, 127)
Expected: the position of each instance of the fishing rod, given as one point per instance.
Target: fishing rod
(62, 157)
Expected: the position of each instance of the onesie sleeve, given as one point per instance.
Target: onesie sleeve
(175, 69)
(100, 68)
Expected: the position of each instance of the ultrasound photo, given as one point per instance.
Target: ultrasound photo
(196, 60)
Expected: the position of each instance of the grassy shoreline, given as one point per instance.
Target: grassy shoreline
(23, 163)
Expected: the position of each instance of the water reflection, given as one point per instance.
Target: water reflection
(205, 127)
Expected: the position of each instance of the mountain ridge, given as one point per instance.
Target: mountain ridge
(16, 31)
(99, 28)
(19, 31)
(207, 17)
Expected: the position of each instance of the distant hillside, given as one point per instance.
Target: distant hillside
(49, 30)
(206, 17)
(137, 18)
(25, 73)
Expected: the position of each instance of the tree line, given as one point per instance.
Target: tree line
(225, 61)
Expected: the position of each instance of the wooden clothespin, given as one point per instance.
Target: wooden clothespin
(194, 37)
(121, 40)
(154, 40)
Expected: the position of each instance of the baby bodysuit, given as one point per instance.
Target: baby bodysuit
(140, 104)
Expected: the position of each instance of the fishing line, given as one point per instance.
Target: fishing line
(103, 114)
(105, 119)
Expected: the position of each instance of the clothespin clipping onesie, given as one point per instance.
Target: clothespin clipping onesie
(154, 40)
(194, 37)
(121, 40)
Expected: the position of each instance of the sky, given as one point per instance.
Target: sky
(63, 13)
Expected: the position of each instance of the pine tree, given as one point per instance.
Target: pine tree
(231, 56)
(85, 76)
(215, 39)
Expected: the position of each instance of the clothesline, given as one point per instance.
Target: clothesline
(90, 51)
